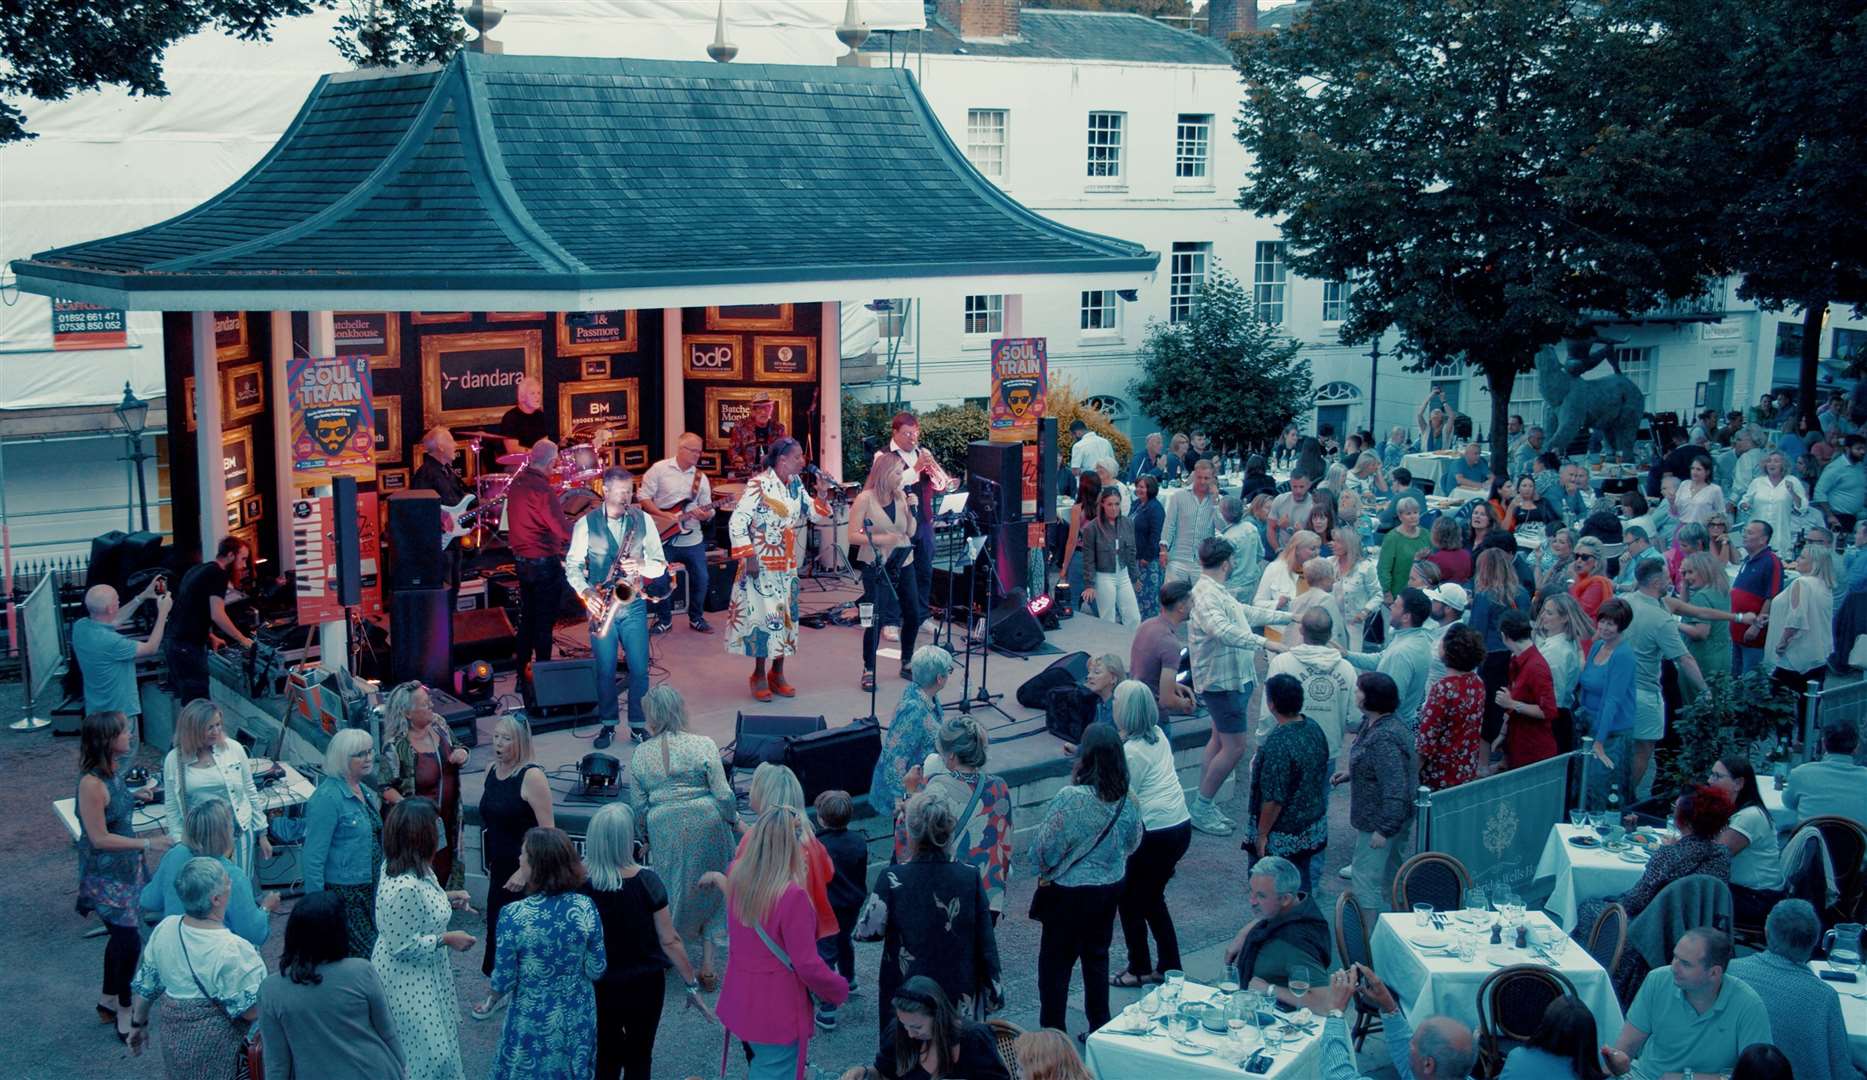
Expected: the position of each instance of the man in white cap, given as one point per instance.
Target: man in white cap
(1450, 602)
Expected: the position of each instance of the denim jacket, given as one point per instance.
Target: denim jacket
(341, 845)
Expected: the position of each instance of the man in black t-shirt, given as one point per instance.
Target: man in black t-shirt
(525, 423)
(436, 473)
(201, 609)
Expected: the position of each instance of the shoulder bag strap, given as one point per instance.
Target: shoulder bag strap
(978, 790)
(776, 949)
(182, 940)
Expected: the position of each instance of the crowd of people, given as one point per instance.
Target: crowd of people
(1340, 628)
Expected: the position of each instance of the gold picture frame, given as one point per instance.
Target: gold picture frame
(432, 318)
(515, 316)
(733, 372)
(567, 346)
(188, 401)
(237, 346)
(388, 480)
(235, 516)
(228, 440)
(717, 397)
(594, 367)
(390, 354)
(737, 317)
(231, 381)
(569, 392)
(390, 406)
(762, 372)
(249, 535)
(633, 457)
(436, 347)
(252, 508)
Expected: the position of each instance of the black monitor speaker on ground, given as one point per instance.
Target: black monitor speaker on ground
(1012, 626)
(839, 759)
(761, 737)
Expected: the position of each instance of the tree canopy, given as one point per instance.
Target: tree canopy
(1487, 173)
(1223, 369)
(51, 49)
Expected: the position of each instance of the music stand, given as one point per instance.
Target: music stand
(979, 643)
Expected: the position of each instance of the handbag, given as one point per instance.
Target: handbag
(249, 1061)
(1045, 900)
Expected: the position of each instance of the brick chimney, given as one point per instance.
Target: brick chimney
(981, 19)
(1227, 17)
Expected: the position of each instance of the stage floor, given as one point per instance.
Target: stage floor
(826, 671)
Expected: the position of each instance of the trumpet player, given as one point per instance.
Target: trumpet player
(613, 549)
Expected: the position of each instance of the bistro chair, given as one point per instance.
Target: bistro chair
(1511, 1002)
(1351, 947)
(1005, 1033)
(1608, 936)
(1847, 848)
(1431, 877)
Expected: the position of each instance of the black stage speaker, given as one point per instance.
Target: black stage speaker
(564, 686)
(843, 759)
(349, 541)
(421, 636)
(1047, 466)
(484, 634)
(116, 557)
(720, 577)
(761, 737)
(463, 724)
(1012, 626)
(415, 540)
(995, 481)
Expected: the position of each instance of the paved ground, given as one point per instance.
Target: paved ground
(49, 970)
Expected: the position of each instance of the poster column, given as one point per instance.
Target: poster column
(334, 635)
(1020, 389)
(210, 467)
(281, 324)
(673, 383)
(830, 390)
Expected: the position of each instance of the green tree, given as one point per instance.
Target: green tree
(51, 49)
(1223, 369)
(1791, 80)
(1488, 173)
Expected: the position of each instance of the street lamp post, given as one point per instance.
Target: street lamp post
(133, 413)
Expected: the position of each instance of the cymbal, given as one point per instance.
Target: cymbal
(513, 459)
(582, 477)
(478, 434)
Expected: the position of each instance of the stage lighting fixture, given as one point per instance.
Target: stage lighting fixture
(1038, 606)
(474, 683)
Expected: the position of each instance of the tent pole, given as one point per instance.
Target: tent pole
(210, 473)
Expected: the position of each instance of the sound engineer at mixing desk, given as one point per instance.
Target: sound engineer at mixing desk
(201, 613)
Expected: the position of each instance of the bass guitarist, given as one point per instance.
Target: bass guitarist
(614, 552)
(679, 499)
(436, 473)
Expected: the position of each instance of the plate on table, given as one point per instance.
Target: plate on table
(1430, 939)
(1635, 855)
(1190, 1049)
(1584, 841)
(1505, 956)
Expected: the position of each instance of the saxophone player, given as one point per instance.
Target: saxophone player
(613, 549)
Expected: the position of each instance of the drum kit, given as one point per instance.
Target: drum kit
(576, 477)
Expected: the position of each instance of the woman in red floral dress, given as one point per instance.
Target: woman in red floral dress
(1451, 721)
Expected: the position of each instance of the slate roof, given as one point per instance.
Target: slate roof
(1115, 37)
(545, 173)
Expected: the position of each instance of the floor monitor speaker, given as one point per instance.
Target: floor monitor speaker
(761, 737)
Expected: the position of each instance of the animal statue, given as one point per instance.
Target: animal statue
(1610, 406)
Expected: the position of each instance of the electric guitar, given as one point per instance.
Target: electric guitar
(457, 521)
(684, 512)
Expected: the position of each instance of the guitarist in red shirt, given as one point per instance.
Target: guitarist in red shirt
(679, 499)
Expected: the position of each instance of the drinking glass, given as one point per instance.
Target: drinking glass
(1422, 915)
(1468, 945)
(1273, 1035)
(1174, 982)
(1477, 905)
(1235, 1029)
(1299, 981)
(1577, 817)
(1150, 1006)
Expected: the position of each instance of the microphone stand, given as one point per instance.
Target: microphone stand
(868, 624)
(984, 698)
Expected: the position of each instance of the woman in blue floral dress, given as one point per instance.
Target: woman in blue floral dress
(913, 732)
(550, 956)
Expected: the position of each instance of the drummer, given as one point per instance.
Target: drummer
(436, 473)
(525, 423)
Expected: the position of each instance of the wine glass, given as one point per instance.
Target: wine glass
(1150, 1007)
(1299, 982)
(1477, 904)
(1273, 1036)
(1577, 817)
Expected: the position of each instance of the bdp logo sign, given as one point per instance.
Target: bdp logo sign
(333, 424)
(1020, 382)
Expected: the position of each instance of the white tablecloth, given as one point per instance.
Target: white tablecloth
(290, 790)
(1853, 1014)
(1431, 467)
(1438, 984)
(1581, 873)
(1126, 1057)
